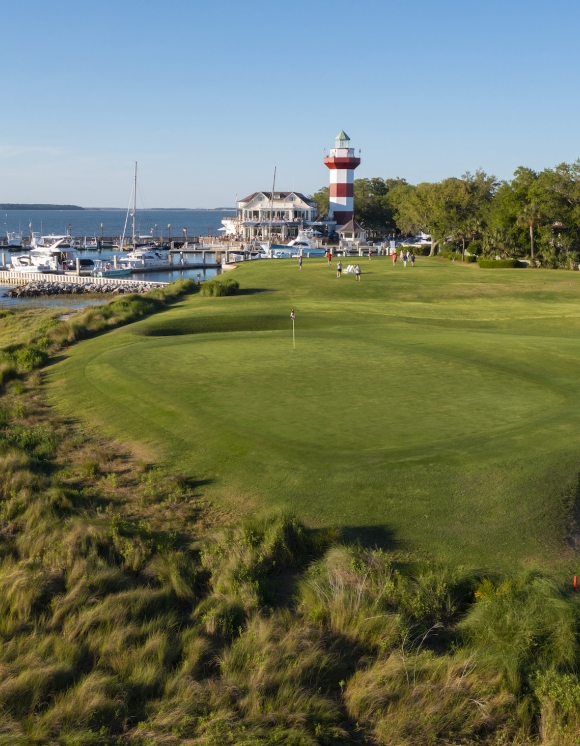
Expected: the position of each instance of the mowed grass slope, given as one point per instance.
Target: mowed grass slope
(435, 408)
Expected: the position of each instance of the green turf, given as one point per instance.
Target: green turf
(435, 408)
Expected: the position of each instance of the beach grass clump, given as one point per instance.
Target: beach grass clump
(246, 561)
(123, 310)
(523, 623)
(220, 286)
(412, 697)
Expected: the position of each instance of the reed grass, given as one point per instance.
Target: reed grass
(124, 620)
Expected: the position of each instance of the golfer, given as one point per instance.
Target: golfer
(394, 258)
(339, 268)
(405, 259)
(329, 256)
(412, 260)
(357, 272)
(369, 254)
(300, 262)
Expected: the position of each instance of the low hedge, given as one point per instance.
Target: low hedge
(500, 263)
(457, 256)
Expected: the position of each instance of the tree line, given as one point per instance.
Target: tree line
(535, 214)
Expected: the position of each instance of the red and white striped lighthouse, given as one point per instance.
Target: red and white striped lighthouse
(342, 163)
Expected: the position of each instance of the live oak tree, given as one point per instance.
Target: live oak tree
(322, 199)
(534, 213)
(450, 210)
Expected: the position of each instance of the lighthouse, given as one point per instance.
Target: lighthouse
(342, 163)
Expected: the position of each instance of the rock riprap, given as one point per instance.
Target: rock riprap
(35, 289)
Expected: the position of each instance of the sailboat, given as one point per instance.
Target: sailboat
(140, 257)
(273, 250)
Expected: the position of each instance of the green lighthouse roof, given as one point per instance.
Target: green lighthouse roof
(342, 136)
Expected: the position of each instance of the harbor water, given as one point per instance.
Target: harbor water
(164, 224)
(159, 224)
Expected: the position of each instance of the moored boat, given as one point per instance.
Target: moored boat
(14, 239)
(104, 268)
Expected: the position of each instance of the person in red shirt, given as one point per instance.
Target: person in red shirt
(329, 256)
(394, 258)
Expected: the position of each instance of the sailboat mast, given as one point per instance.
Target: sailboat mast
(134, 205)
(272, 208)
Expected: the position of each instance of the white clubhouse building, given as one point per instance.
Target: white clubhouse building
(284, 215)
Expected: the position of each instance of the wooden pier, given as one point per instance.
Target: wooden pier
(181, 258)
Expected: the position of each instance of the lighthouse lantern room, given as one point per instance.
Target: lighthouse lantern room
(342, 162)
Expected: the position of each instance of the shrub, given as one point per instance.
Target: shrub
(37, 441)
(90, 469)
(475, 247)
(559, 698)
(471, 258)
(220, 286)
(500, 263)
(29, 358)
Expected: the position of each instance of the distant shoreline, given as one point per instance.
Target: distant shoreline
(67, 208)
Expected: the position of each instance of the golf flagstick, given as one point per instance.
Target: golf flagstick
(292, 316)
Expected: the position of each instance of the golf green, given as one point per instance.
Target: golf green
(434, 408)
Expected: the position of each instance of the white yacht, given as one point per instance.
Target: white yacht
(145, 256)
(302, 245)
(57, 257)
(52, 241)
(35, 261)
(14, 239)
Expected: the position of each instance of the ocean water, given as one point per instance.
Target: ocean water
(88, 222)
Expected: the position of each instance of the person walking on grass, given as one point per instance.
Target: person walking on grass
(300, 261)
(329, 256)
(369, 254)
(357, 272)
(412, 260)
(405, 259)
(339, 268)
(394, 258)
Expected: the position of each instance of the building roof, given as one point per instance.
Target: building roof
(351, 226)
(278, 196)
(342, 136)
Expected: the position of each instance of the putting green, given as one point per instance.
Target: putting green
(435, 408)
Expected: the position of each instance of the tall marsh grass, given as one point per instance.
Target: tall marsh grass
(116, 629)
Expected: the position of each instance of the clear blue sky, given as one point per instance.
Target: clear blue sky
(210, 96)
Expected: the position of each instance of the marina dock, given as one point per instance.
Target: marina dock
(23, 278)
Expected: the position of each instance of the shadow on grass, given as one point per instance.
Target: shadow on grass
(254, 291)
(373, 537)
(53, 360)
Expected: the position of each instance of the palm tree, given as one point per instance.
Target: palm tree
(531, 216)
(497, 239)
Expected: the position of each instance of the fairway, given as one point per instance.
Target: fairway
(433, 408)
